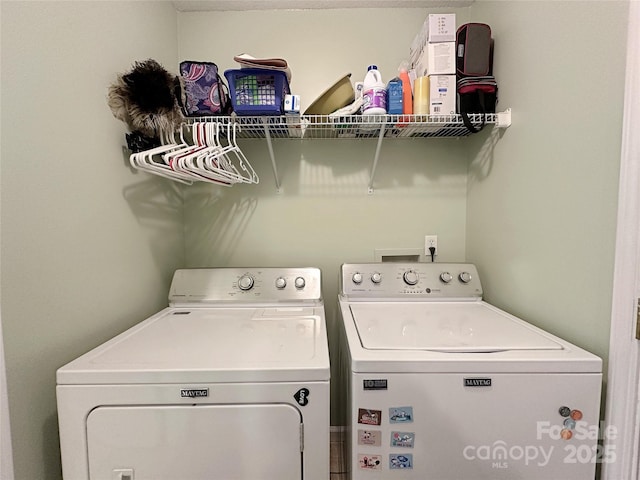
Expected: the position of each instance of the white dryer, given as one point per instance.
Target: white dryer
(444, 386)
(231, 382)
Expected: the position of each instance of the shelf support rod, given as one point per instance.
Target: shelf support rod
(376, 156)
(267, 135)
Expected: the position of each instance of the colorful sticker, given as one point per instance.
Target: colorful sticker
(369, 417)
(402, 439)
(401, 415)
(403, 461)
(370, 462)
(369, 437)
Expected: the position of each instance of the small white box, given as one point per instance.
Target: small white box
(442, 95)
(441, 27)
(441, 58)
(292, 103)
(437, 59)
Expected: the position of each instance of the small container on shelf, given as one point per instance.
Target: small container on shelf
(374, 93)
(394, 97)
(421, 96)
(256, 91)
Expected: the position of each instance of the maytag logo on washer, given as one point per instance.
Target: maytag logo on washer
(477, 382)
(194, 392)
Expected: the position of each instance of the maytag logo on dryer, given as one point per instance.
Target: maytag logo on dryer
(194, 392)
(477, 382)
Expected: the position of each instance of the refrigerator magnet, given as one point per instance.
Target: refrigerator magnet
(403, 461)
(401, 415)
(402, 439)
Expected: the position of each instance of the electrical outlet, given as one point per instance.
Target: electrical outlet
(430, 241)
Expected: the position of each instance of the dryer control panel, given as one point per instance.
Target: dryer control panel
(267, 285)
(410, 280)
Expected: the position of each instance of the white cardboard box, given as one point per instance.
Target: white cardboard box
(442, 95)
(442, 58)
(437, 59)
(436, 28)
(441, 27)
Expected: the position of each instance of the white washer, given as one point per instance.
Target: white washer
(444, 386)
(231, 381)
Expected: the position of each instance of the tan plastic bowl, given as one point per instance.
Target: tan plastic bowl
(339, 95)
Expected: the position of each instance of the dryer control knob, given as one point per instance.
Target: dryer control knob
(446, 277)
(357, 278)
(376, 277)
(245, 282)
(299, 282)
(410, 277)
(281, 282)
(465, 277)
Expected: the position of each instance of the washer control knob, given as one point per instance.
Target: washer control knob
(465, 277)
(410, 277)
(357, 278)
(281, 282)
(376, 277)
(446, 277)
(245, 282)
(299, 282)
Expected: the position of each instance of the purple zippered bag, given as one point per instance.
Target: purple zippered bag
(205, 91)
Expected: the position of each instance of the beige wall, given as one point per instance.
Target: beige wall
(88, 247)
(542, 205)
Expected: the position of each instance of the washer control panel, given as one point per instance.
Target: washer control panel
(418, 280)
(241, 285)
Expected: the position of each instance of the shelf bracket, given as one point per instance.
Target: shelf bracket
(503, 119)
(267, 135)
(376, 156)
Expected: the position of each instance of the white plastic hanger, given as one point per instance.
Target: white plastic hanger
(215, 159)
(151, 160)
(188, 162)
(236, 157)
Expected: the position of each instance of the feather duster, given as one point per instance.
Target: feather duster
(147, 99)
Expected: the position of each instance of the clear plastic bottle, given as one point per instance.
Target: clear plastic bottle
(374, 93)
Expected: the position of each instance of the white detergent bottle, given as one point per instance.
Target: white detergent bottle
(374, 93)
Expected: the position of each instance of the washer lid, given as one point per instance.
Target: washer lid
(464, 327)
(210, 345)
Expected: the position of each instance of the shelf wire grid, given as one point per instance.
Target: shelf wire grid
(352, 126)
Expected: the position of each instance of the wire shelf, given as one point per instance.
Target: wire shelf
(379, 127)
(297, 126)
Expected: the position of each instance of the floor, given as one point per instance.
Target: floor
(338, 467)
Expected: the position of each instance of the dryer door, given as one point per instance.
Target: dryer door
(169, 442)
